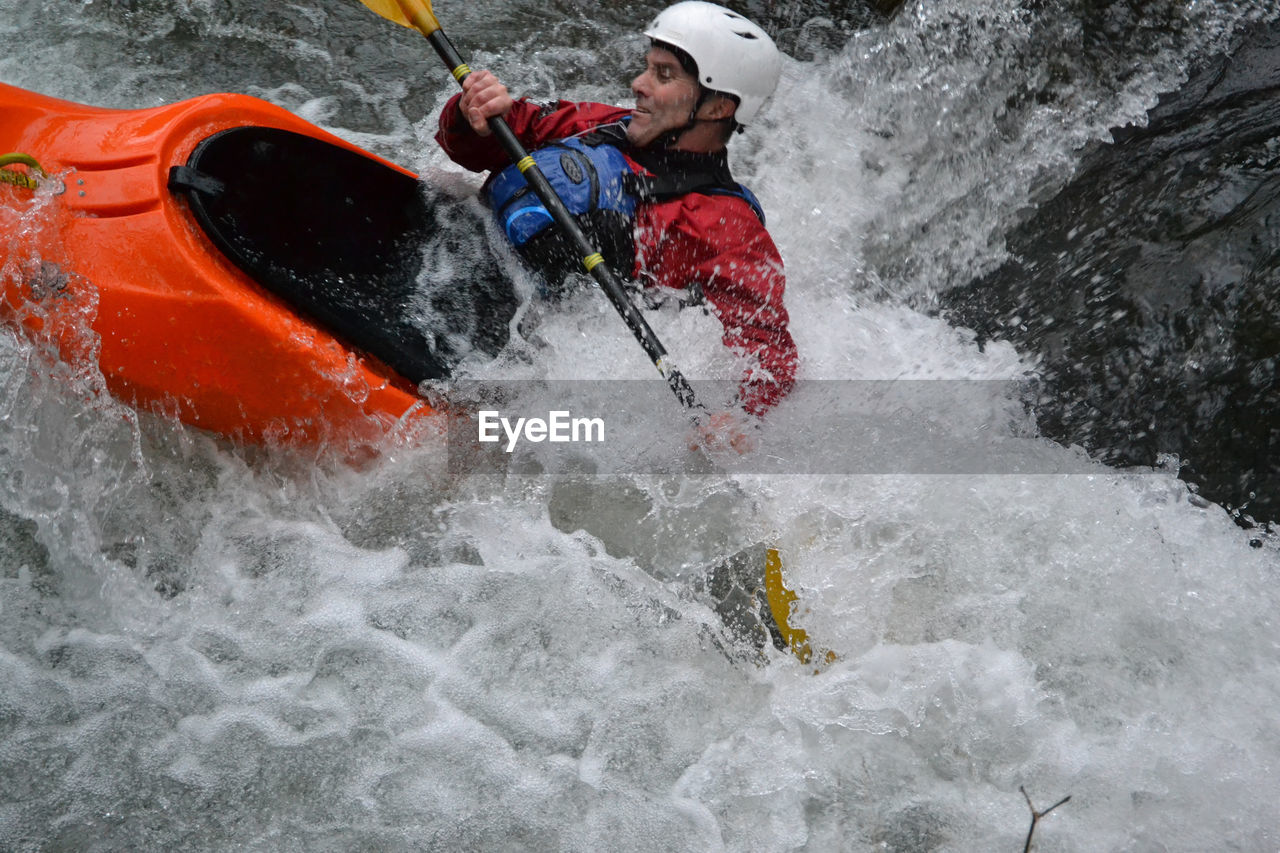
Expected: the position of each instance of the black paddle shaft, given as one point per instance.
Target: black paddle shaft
(591, 259)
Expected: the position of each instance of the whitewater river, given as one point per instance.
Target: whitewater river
(212, 647)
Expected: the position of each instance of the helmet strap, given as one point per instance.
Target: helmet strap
(669, 139)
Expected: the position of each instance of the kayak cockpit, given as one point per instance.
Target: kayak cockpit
(335, 234)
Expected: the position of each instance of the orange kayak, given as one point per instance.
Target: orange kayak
(221, 260)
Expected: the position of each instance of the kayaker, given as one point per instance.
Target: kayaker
(652, 186)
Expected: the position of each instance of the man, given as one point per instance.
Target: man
(652, 185)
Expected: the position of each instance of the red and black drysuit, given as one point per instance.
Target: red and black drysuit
(708, 243)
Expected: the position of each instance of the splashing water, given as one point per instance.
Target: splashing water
(206, 647)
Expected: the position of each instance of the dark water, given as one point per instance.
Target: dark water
(1150, 286)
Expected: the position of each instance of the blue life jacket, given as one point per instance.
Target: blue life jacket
(597, 185)
(587, 178)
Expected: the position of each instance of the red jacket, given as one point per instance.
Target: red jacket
(715, 241)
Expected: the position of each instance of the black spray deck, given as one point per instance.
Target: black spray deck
(341, 238)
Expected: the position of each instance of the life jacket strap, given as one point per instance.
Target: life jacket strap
(667, 187)
(669, 180)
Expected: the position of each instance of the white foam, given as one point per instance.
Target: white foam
(250, 651)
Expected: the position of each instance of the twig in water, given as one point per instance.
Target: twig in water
(1035, 815)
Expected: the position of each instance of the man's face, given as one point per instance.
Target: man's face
(665, 95)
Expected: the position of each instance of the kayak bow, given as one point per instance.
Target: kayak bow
(105, 256)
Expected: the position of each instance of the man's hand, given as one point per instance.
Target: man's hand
(483, 97)
(723, 430)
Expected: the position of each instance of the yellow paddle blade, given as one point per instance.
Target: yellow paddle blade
(414, 14)
(388, 9)
(780, 601)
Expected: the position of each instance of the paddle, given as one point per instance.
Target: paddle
(418, 15)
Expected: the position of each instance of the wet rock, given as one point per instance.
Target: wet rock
(1148, 287)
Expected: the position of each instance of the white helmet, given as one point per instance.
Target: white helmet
(733, 54)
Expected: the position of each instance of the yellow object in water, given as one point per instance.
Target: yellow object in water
(29, 179)
(780, 599)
